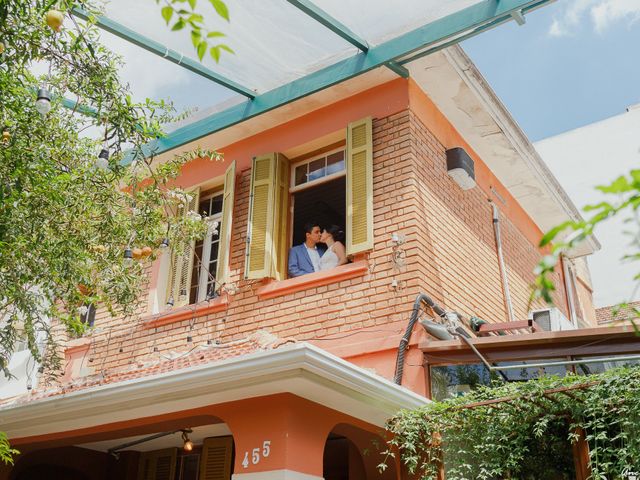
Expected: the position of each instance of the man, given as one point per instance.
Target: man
(305, 258)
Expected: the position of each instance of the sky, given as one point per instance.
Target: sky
(568, 76)
(573, 63)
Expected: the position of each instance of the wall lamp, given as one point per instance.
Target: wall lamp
(460, 168)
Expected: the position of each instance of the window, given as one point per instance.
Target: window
(346, 172)
(88, 314)
(205, 261)
(200, 268)
(318, 193)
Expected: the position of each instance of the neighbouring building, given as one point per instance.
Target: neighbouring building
(273, 377)
(582, 159)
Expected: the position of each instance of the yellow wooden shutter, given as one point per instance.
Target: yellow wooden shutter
(215, 461)
(158, 465)
(182, 260)
(280, 254)
(359, 157)
(261, 207)
(224, 248)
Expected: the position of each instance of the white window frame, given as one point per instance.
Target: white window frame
(293, 188)
(203, 278)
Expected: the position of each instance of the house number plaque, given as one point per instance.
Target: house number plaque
(255, 454)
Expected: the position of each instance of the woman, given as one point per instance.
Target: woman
(335, 254)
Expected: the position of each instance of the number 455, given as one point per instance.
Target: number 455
(255, 454)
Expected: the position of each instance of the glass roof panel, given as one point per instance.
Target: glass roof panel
(378, 20)
(274, 42)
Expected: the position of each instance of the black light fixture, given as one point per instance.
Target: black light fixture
(128, 254)
(188, 444)
(165, 243)
(102, 163)
(170, 301)
(460, 168)
(43, 103)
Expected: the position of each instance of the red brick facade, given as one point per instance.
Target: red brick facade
(449, 253)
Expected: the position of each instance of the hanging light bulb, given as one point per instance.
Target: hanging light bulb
(43, 103)
(165, 243)
(188, 444)
(128, 255)
(170, 301)
(102, 163)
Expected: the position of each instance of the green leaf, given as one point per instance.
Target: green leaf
(215, 53)
(221, 8)
(553, 233)
(193, 3)
(179, 25)
(227, 48)
(619, 185)
(196, 38)
(167, 13)
(215, 34)
(202, 49)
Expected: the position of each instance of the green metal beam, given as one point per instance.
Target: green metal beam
(157, 48)
(331, 23)
(78, 107)
(397, 68)
(467, 22)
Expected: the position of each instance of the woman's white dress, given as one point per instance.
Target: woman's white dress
(329, 259)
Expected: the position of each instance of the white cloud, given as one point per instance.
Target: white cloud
(599, 14)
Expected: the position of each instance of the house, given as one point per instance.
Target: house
(609, 148)
(231, 367)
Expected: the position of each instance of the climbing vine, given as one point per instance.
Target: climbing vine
(526, 430)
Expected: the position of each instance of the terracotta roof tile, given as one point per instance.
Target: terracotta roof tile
(199, 355)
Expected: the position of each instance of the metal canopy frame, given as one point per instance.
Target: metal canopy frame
(393, 54)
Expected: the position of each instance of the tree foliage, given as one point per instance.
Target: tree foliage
(623, 196)
(65, 218)
(524, 430)
(176, 14)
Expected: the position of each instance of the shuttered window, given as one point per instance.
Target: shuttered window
(200, 268)
(225, 228)
(180, 270)
(266, 237)
(359, 157)
(215, 461)
(158, 465)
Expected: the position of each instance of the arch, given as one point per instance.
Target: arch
(71, 463)
(352, 453)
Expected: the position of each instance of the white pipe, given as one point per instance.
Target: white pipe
(569, 286)
(503, 270)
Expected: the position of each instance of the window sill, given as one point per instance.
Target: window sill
(188, 311)
(311, 280)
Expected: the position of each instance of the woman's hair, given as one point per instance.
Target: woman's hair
(336, 233)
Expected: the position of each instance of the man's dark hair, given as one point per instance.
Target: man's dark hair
(308, 227)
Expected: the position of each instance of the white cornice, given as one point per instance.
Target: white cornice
(301, 369)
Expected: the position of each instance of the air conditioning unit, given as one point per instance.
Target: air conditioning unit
(551, 320)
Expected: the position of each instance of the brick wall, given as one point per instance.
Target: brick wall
(449, 254)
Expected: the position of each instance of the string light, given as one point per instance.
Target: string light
(102, 163)
(128, 255)
(170, 301)
(43, 103)
(164, 244)
(188, 444)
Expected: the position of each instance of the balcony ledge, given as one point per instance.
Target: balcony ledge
(188, 311)
(311, 280)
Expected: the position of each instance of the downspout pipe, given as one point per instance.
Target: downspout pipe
(503, 270)
(404, 341)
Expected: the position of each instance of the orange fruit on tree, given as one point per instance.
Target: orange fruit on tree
(54, 19)
(137, 253)
(1, 48)
(146, 251)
